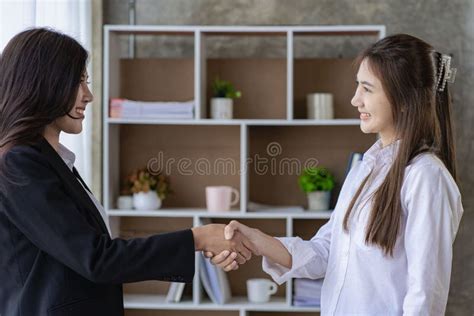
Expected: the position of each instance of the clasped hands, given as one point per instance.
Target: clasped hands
(228, 246)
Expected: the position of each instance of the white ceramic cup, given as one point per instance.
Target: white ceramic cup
(125, 202)
(260, 290)
(219, 198)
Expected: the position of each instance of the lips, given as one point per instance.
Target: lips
(364, 115)
(80, 112)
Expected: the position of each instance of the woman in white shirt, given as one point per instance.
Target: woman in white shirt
(387, 248)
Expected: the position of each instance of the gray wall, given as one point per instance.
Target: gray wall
(447, 25)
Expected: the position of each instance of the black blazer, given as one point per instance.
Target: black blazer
(56, 256)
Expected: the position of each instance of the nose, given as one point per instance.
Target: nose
(87, 96)
(356, 100)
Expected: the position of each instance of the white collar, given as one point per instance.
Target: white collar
(68, 156)
(381, 154)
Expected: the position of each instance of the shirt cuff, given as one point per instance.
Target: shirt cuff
(301, 253)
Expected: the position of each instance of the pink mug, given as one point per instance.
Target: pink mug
(219, 198)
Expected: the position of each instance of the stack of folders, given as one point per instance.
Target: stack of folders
(123, 108)
(215, 282)
(307, 292)
(175, 292)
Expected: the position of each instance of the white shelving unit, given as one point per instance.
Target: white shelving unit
(246, 130)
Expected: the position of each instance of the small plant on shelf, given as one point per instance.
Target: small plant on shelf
(148, 189)
(317, 183)
(222, 102)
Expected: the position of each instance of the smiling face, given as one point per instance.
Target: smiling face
(72, 123)
(373, 105)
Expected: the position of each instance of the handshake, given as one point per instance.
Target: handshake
(230, 246)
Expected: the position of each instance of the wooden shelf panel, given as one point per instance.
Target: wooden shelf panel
(307, 228)
(251, 29)
(327, 146)
(157, 79)
(192, 156)
(250, 122)
(148, 301)
(202, 213)
(262, 82)
(326, 75)
(242, 302)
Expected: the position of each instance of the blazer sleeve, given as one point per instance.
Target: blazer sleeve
(40, 208)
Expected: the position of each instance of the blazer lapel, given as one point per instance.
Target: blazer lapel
(72, 183)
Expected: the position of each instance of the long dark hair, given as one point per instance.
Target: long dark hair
(40, 74)
(408, 70)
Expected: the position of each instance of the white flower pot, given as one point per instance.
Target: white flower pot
(319, 200)
(146, 200)
(222, 108)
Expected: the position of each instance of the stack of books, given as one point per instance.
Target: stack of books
(123, 108)
(307, 292)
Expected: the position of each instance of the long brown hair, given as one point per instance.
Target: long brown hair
(408, 69)
(40, 74)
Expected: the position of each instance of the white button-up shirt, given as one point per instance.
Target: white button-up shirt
(358, 278)
(69, 158)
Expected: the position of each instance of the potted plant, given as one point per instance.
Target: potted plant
(317, 182)
(222, 102)
(148, 190)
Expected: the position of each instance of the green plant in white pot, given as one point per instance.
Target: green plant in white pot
(222, 103)
(317, 183)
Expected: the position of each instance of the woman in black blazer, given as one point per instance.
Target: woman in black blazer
(57, 257)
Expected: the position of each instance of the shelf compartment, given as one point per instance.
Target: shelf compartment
(307, 228)
(324, 75)
(279, 154)
(149, 72)
(259, 101)
(157, 79)
(192, 156)
(264, 63)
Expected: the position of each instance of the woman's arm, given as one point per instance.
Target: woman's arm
(434, 209)
(42, 210)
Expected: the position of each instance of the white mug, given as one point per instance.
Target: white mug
(259, 290)
(125, 202)
(219, 198)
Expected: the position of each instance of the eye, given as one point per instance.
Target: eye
(367, 90)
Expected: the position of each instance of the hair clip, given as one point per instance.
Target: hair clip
(445, 72)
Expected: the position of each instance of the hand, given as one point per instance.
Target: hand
(226, 260)
(210, 238)
(252, 234)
